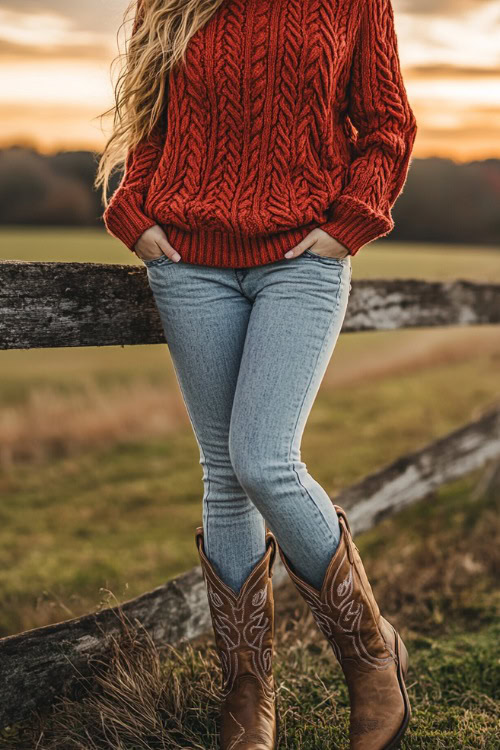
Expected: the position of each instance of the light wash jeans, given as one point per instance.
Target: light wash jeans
(250, 347)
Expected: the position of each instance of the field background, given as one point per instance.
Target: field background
(100, 483)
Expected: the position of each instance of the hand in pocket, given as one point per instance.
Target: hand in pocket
(153, 244)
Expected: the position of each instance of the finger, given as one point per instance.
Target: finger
(167, 248)
(304, 244)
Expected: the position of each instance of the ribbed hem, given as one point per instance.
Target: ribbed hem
(125, 219)
(210, 247)
(354, 223)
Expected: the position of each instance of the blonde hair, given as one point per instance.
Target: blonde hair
(160, 34)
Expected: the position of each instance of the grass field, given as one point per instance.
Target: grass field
(100, 486)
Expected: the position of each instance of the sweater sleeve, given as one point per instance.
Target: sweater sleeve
(124, 216)
(386, 129)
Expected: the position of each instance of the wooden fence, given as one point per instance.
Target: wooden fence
(88, 304)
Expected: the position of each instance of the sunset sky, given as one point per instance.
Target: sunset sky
(55, 76)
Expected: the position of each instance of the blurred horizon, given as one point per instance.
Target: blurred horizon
(56, 75)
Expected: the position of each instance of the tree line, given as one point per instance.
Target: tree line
(442, 201)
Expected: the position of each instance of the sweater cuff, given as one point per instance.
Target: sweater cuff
(125, 219)
(354, 223)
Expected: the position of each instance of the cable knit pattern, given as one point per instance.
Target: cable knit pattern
(288, 115)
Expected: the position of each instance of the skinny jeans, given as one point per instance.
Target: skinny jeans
(250, 347)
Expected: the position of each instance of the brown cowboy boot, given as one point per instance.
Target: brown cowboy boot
(243, 625)
(370, 651)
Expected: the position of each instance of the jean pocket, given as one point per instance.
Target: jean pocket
(157, 261)
(325, 258)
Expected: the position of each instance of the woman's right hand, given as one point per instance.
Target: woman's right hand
(153, 243)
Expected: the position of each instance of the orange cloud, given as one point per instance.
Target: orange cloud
(55, 60)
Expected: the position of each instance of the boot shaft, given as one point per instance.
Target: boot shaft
(370, 651)
(345, 608)
(243, 623)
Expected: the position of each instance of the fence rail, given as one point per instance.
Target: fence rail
(95, 304)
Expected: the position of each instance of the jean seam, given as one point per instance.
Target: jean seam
(207, 464)
(325, 338)
(241, 288)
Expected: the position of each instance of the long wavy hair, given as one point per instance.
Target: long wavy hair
(160, 34)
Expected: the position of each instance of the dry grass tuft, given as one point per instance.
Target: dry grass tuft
(141, 697)
(51, 424)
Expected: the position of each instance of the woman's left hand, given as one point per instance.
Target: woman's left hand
(320, 242)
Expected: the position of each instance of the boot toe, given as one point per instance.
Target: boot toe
(379, 713)
(254, 742)
(250, 740)
(369, 733)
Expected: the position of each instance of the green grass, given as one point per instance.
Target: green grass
(433, 571)
(63, 244)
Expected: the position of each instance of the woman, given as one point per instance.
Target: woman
(266, 142)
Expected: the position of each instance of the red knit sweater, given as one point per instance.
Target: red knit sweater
(288, 115)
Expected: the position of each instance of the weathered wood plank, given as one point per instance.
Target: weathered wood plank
(414, 476)
(75, 304)
(37, 665)
(409, 303)
(93, 304)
